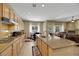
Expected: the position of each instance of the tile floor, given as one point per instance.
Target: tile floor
(27, 48)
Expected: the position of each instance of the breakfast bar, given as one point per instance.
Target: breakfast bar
(55, 46)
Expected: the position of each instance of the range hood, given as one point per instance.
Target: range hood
(8, 21)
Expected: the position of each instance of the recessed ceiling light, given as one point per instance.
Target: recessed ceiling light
(43, 5)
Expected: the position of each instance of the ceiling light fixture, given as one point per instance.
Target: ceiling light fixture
(33, 5)
(43, 5)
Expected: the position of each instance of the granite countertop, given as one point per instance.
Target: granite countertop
(57, 42)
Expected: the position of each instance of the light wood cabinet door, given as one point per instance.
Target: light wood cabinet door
(21, 42)
(50, 51)
(0, 10)
(6, 11)
(39, 44)
(0, 15)
(16, 48)
(12, 14)
(37, 41)
(7, 52)
(44, 49)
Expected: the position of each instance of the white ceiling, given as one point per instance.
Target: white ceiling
(51, 11)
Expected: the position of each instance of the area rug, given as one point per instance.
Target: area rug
(35, 51)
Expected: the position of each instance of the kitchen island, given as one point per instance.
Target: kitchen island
(11, 46)
(56, 46)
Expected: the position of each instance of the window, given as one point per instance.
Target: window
(34, 28)
(57, 29)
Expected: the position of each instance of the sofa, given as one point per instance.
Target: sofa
(70, 35)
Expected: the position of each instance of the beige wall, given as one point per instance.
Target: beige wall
(51, 24)
(26, 27)
(70, 26)
(45, 25)
(77, 26)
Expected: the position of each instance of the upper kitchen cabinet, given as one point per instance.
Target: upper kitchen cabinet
(21, 24)
(2, 26)
(9, 20)
(0, 15)
(12, 14)
(6, 12)
(0, 10)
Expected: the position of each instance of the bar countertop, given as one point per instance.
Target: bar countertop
(57, 42)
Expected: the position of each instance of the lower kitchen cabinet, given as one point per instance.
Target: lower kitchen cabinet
(7, 51)
(21, 43)
(17, 45)
(50, 51)
(16, 48)
(39, 45)
(44, 50)
(42, 46)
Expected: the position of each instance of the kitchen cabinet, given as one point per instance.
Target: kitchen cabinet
(37, 41)
(44, 50)
(55, 48)
(11, 14)
(16, 48)
(21, 24)
(6, 11)
(50, 51)
(42, 46)
(0, 15)
(17, 45)
(7, 51)
(0, 10)
(22, 41)
(39, 44)
(12, 48)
